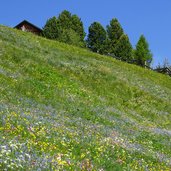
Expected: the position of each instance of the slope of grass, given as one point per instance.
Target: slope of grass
(65, 108)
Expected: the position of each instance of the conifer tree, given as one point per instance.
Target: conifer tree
(123, 48)
(69, 36)
(77, 26)
(66, 28)
(96, 38)
(142, 52)
(65, 19)
(72, 29)
(51, 29)
(114, 32)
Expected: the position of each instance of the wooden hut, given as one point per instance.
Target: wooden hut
(27, 26)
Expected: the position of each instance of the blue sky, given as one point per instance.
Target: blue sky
(149, 17)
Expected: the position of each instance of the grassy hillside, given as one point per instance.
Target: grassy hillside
(65, 108)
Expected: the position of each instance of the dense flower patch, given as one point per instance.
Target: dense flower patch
(50, 140)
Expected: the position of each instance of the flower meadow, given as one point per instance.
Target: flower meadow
(65, 108)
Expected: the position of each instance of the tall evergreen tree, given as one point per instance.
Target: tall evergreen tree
(142, 52)
(114, 32)
(77, 26)
(96, 37)
(72, 29)
(51, 29)
(69, 36)
(123, 48)
(65, 19)
(66, 28)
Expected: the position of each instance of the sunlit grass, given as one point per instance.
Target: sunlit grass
(65, 108)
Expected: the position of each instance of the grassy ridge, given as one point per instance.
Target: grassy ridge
(65, 108)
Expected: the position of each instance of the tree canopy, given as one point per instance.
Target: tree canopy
(123, 48)
(51, 28)
(114, 33)
(96, 37)
(66, 28)
(142, 52)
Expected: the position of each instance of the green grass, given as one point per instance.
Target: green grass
(65, 108)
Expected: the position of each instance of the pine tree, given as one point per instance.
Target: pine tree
(114, 32)
(51, 29)
(123, 48)
(65, 19)
(77, 26)
(142, 53)
(96, 38)
(73, 27)
(66, 28)
(69, 36)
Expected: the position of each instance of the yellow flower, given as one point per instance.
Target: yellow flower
(82, 155)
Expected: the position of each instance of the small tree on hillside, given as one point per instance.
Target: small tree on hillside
(123, 48)
(114, 32)
(96, 38)
(142, 53)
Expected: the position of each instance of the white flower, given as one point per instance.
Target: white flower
(3, 147)
(27, 155)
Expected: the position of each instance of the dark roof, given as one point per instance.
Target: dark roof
(26, 22)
